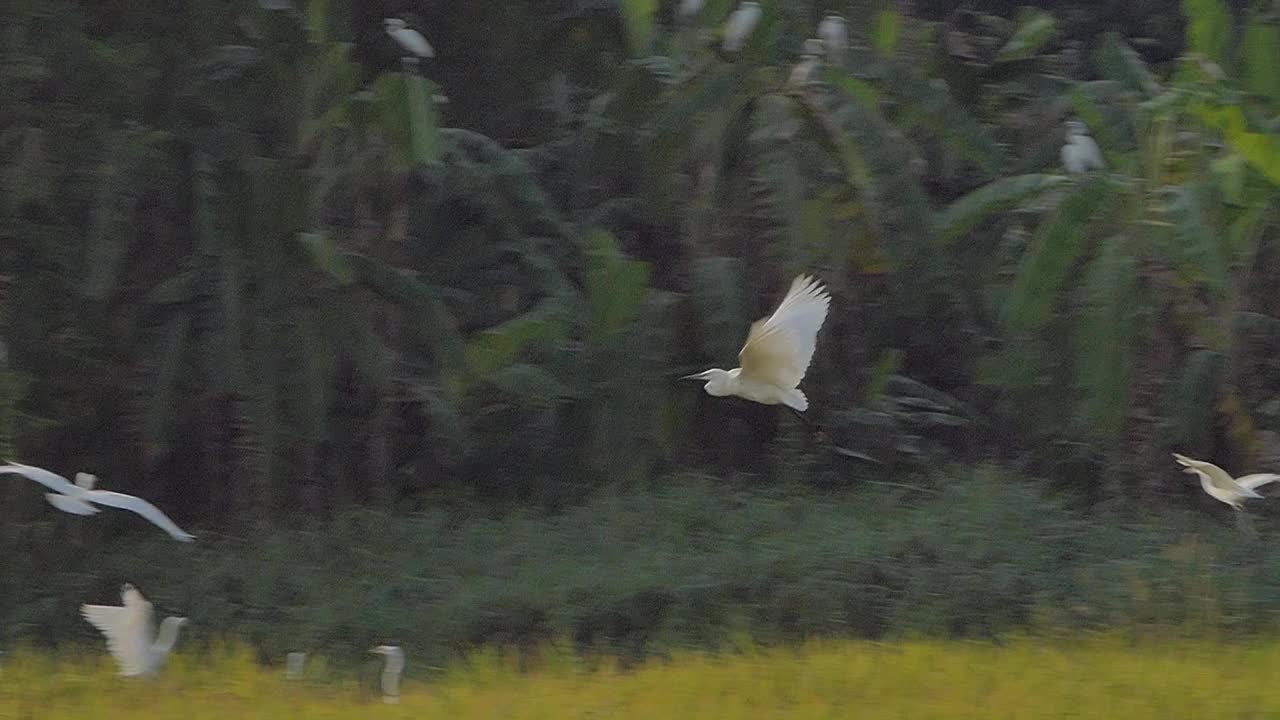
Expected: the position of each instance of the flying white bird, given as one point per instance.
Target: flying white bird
(80, 498)
(1080, 154)
(777, 352)
(411, 40)
(391, 672)
(740, 25)
(1221, 486)
(834, 32)
(130, 632)
(294, 664)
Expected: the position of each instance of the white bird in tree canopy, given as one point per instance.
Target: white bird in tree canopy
(777, 352)
(130, 632)
(409, 39)
(1081, 154)
(740, 25)
(80, 498)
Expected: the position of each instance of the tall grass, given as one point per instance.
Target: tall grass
(651, 571)
(1092, 677)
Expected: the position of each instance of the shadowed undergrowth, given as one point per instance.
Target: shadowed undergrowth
(643, 572)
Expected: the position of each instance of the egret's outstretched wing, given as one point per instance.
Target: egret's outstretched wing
(51, 480)
(1216, 476)
(124, 635)
(69, 504)
(779, 348)
(141, 507)
(1256, 480)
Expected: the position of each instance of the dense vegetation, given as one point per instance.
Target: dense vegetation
(257, 270)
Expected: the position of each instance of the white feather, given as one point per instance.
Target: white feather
(409, 39)
(130, 633)
(740, 24)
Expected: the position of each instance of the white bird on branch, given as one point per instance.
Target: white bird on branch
(130, 632)
(740, 25)
(1081, 154)
(80, 498)
(834, 31)
(391, 672)
(777, 352)
(409, 39)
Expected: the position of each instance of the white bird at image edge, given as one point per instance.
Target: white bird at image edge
(739, 25)
(1221, 486)
(1081, 154)
(79, 498)
(777, 352)
(130, 632)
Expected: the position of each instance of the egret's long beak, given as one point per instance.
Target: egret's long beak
(696, 376)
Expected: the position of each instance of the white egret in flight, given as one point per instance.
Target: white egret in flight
(777, 352)
(740, 25)
(391, 672)
(130, 632)
(834, 32)
(409, 39)
(1221, 486)
(1080, 154)
(80, 498)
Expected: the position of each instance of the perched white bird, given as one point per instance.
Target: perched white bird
(130, 632)
(740, 25)
(1221, 486)
(294, 664)
(805, 71)
(689, 9)
(411, 40)
(80, 498)
(777, 352)
(391, 672)
(1081, 153)
(834, 32)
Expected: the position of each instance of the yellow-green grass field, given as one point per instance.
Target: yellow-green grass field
(1095, 677)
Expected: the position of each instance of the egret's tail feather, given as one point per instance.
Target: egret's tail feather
(796, 400)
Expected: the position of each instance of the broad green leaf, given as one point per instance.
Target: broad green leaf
(616, 285)
(884, 33)
(1209, 29)
(1105, 335)
(637, 16)
(407, 114)
(531, 384)
(317, 20)
(932, 106)
(1058, 244)
(855, 87)
(1198, 249)
(327, 256)
(1117, 61)
(1260, 53)
(1260, 150)
(499, 346)
(965, 213)
(1035, 28)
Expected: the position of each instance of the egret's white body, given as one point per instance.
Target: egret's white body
(79, 498)
(741, 23)
(834, 32)
(130, 632)
(294, 664)
(409, 39)
(1081, 154)
(777, 352)
(806, 70)
(689, 9)
(1220, 486)
(391, 672)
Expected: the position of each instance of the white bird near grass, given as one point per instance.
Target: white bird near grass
(834, 32)
(777, 352)
(409, 39)
(391, 672)
(80, 498)
(1081, 154)
(130, 632)
(740, 25)
(1221, 486)
(294, 665)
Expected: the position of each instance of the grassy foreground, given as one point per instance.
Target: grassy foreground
(1088, 676)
